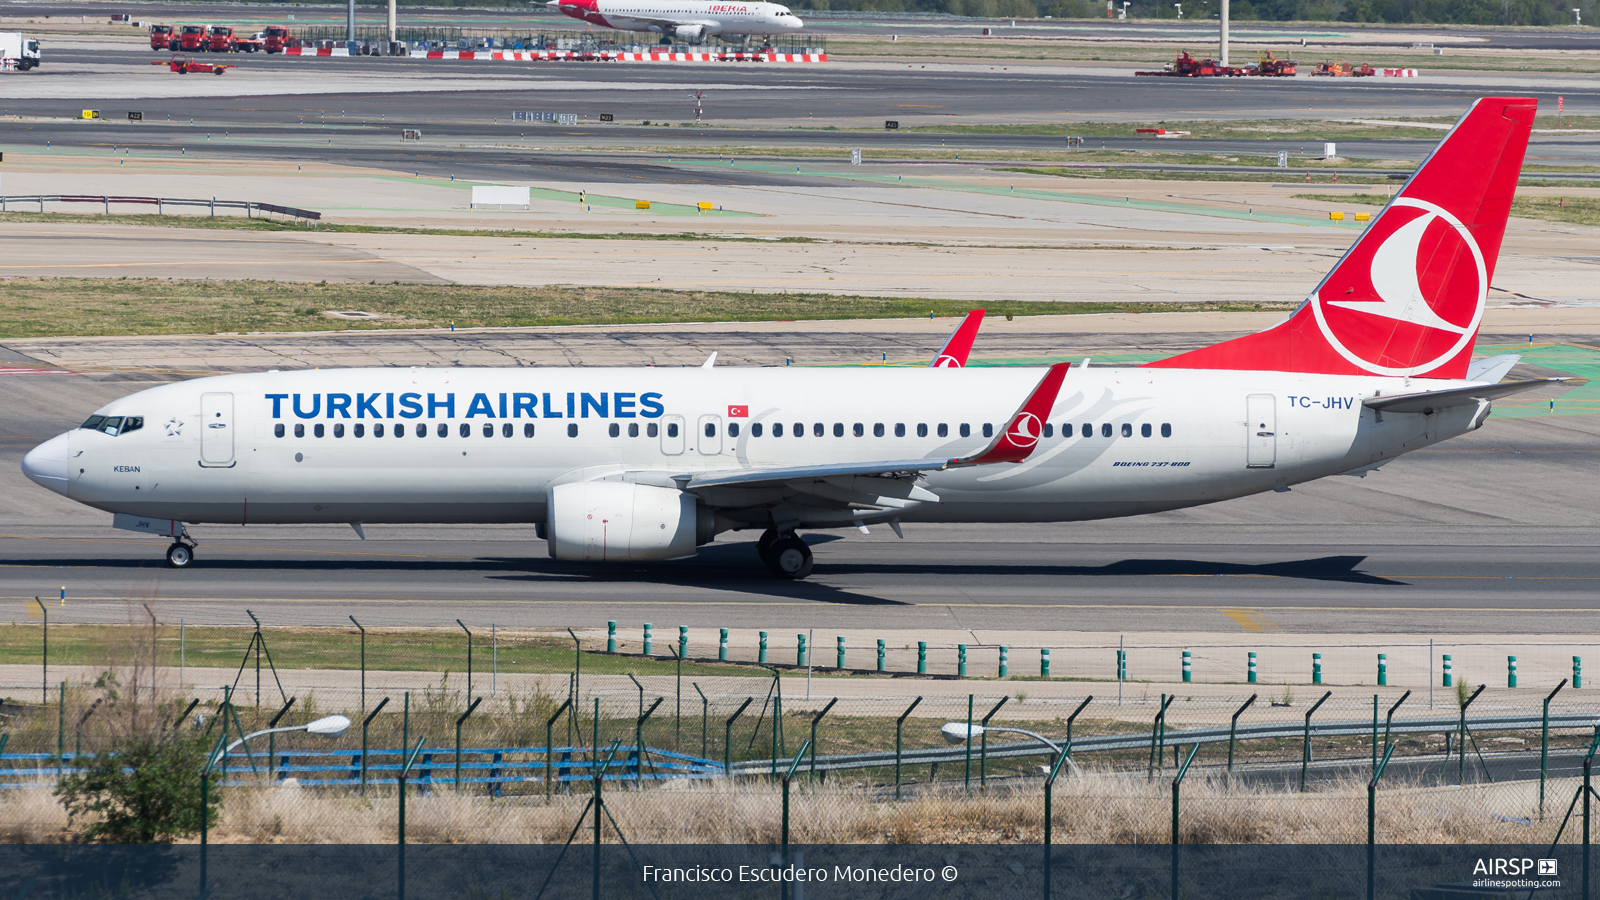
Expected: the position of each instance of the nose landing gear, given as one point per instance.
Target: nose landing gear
(785, 554)
(181, 553)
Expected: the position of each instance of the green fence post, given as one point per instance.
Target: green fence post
(899, 725)
(840, 653)
(727, 738)
(1383, 670)
(1544, 745)
(1252, 667)
(1187, 668)
(1177, 786)
(1003, 667)
(1577, 672)
(611, 637)
(1511, 671)
(722, 645)
(1316, 668)
(1372, 822)
(800, 651)
(961, 660)
(922, 657)
(1305, 748)
(1044, 663)
(1233, 729)
(761, 655)
(1447, 670)
(881, 656)
(647, 639)
(968, 779)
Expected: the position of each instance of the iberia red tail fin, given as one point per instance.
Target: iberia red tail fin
(1407, 297)
(955, 351)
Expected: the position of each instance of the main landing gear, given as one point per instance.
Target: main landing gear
(181, 553)
(785, 554)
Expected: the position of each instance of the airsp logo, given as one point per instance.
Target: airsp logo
(1409, 296)
(1024, 431)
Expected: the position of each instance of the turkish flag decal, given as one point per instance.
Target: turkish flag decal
(738, 412)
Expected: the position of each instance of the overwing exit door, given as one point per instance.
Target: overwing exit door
(1261, 431)
(216, 430)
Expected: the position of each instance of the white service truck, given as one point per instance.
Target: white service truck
(18, 51)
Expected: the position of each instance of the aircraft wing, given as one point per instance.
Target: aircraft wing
(1429, 401)
(1013, 444)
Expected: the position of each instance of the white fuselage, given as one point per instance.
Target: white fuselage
(693, 18)
(485, 445)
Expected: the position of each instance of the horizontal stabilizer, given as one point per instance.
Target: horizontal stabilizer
(1432, 401)
(1492, 368)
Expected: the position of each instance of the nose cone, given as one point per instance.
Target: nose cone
(795, 24)
(46, 464)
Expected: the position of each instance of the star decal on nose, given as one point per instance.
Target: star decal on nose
(174, 427)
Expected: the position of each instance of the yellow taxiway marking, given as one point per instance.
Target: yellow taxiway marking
(1249, 619)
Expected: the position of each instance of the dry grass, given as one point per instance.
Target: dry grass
(1096, 809)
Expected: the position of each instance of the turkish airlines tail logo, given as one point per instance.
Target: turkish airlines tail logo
(955, 351)
(1407, 297)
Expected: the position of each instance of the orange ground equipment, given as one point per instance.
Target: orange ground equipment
(183, 64)
(1186, 66)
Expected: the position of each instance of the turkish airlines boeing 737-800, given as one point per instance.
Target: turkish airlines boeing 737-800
(684, 20)
(649, 463)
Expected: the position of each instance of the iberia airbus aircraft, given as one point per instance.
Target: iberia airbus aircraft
(648, 464)
(684, 20)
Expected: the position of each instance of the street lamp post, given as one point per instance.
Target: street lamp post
(958, 732)
(327, 726)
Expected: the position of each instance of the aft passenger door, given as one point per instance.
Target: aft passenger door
(709, 435)
(1261, 431)
(216, 430)
(672, 437)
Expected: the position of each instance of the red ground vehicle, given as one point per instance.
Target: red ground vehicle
(163, 37)
(1344, 70)
(184, 65)
(277, 38)
(192, 38)
(219, 38)
(1186, 66)
(1270, 65)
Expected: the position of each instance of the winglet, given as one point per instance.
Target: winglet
(954, 353)
(710, 361)
(1023, 430)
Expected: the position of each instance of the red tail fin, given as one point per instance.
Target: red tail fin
(955, 351)
(1407, 297)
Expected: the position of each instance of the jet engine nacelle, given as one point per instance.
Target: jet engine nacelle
(617, 520)
(689, 34)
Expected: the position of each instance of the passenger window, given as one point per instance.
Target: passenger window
(988, 430)
(465, 430)
(777, 429)
(859, 430)
(132, 423)
(527, 429)
(614, 430)
(651, 430)
(1088, 430)
(316, 429)
(1127, 429)
(277, 430)
(505, 429)
(338, 429)
(899, 429)
(877, 430)
(358, 430)
(733, 429)
(1144, 430)
(755, 430)
(488, 429)
(800, 429)
(377, 430)
(711, 429)
(633, 429)
(572, 429)
(838, 429)
(1049, 430)
(818, 430)
(672, 429)
(1105, 429)
(944, 430)
(422, 430)
(1166, 429)
(966, 430)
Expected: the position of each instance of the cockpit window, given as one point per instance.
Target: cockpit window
(114, 425)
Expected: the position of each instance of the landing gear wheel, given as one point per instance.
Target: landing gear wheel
(764, 545)
(179, 556)
(789, 558)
